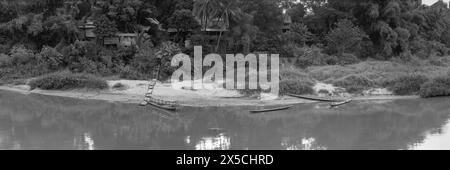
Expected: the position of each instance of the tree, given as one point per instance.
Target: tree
(105, 27)
(127, 14)
(345, 37)
(267, 15)
(298, 34)
(63, 27)
(183, 21)
(297, 12)
(221, 10)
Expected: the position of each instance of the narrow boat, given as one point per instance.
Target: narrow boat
(314, 98)
(162, 104)
(271, 110)
(336, 104)
(165, 107)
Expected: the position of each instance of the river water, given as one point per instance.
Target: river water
(43, 122)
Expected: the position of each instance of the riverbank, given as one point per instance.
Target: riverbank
(133, 92)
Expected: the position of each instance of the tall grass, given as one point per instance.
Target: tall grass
(406, 84)
(295, 87)
(295, 80)
(67, 80)
(439, 86)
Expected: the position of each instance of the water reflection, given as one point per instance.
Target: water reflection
(219, 142)
(436, 139)
(302, 144)
(41, 122)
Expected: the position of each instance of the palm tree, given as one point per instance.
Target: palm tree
(205, 10)
(221, 10)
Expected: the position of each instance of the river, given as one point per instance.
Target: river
(44, 122)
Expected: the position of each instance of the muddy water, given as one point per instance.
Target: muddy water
(43, 122)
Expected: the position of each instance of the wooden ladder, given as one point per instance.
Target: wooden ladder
(151, 86)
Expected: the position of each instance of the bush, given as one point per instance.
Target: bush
(67, 80)
(354, 89)
(406, 84)
(354, 83)
(375, 71)
(439, 61)
(4, 60)
(439, 86)
(4, 49)
(145, 60)
(347, 59)
(292, 73)
(298, 34)
(88, 66)
(167, 50)
(51, 58)
(295, 87)
(425, 49)
(20, 55)
(119, 86)
(130, 73)
(312, 56)
(346, 37)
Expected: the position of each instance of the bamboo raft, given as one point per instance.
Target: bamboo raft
(159, 103)
(163, 104)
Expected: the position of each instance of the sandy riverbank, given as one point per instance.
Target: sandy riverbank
(134, 91)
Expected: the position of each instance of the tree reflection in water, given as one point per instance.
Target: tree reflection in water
(42, 122)
(219, 142)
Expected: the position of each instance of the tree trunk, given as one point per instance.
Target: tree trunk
(218, 41)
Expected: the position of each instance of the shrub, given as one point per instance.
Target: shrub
(347, 59)
(67, 80)
(4, 49)
(20, 55)
(376, 71)
(406, 84)
(145, 60)
(119, 86)
(126, 54)
(295, 87)
(354, 89)
(51, 58)
(298, 34)
(439, 86)
(291, 50)
(130, 73)
(105, 27)
(323, 91)
(92, 67)
(353, 82)
(167, 50)
(4, 60)
(292, 73)
(346, 37)
(313, 56)
(439, 61)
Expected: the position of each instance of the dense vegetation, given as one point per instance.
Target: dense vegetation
(325, 38)
(65, 80)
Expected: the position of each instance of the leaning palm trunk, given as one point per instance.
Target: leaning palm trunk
(218, 41)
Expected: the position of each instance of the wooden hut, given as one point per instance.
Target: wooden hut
(88, 29)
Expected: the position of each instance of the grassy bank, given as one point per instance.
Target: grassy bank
(67, 80)
(425, 77)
